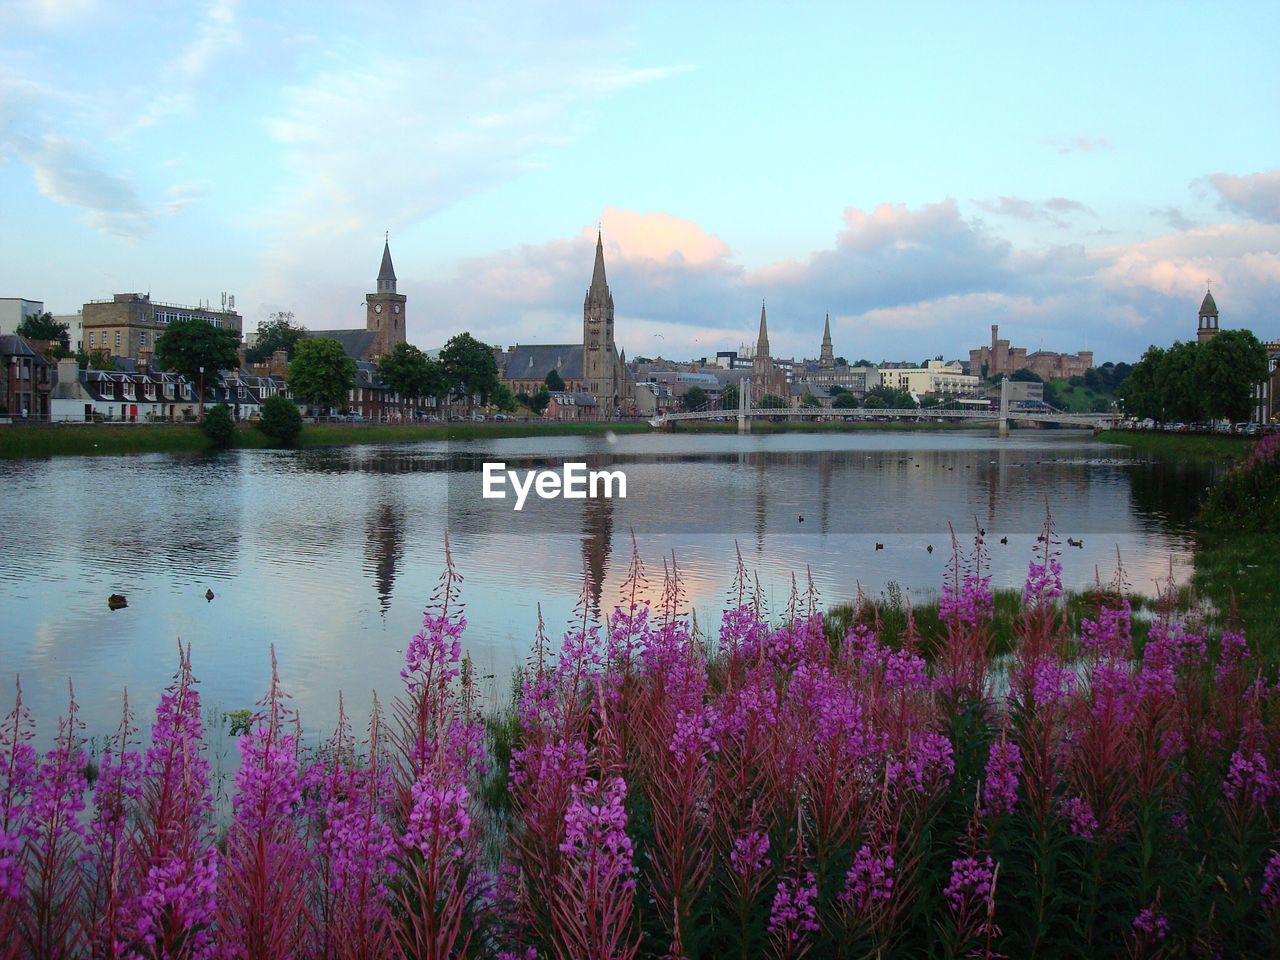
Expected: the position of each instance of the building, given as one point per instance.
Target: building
(25, 383)
(129, 324)
(1000, 359)
(385, 313)
(1207, 326)
(13, 310)
(937, 379)
(767, 377)
(827, 358)
(566, 405)
(75, 328)
(596, 366)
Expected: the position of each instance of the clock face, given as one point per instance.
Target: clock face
(377, 308)
(396, 308)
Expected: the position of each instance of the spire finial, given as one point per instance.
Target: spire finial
(386, 236)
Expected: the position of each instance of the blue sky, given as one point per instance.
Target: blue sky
(1073, 172)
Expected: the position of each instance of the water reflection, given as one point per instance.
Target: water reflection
(330, 555)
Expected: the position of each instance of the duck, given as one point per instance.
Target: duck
(879, 546)
(1005, 541)
(929, 548)
(208, 595)
(117, 601)
(801, 518)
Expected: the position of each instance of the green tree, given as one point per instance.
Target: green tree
(1140, 394)
(94, 360)
(891, 398)
(470, 369)
(554, 382)
(1228, 368)
(219, 427)
(277, 332)
(845, 401)
(538, 402)
(42, 326)
(405, 370)
(503, 398)
(188, 345)
(281, 420)
(772, 401)
(321, 373)
(1026, 376)
(695, 398)
(809, 401)
(1177, 386)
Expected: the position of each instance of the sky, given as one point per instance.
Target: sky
(1074, 172)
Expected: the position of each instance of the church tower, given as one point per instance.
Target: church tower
(384, 309)
(599, 355)
(761, 363)
(1208, 327)
(827, 361)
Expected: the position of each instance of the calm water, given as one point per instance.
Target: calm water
(331, 555)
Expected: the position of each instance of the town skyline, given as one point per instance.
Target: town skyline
(887, 170)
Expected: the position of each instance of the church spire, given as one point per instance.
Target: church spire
(827, 360)
(599, 290)
(762, 342)
(387, 272)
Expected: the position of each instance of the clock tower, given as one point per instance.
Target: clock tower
(384, 309)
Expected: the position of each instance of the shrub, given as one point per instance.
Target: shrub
(219, 427)
(281, 420)
(1248, 497)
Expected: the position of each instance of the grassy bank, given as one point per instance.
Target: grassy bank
(107, 438)
(1181, 446)
(1239, 573)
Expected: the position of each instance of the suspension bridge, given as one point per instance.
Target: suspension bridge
(747, 410)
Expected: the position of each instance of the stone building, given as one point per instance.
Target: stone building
(596, 366)
(766, 376)
(385, 313)
(24, 378)
(129, 324)
(1001, 359)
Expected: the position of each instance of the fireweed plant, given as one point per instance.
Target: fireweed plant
(768, 790)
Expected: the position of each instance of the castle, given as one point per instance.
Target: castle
(1000, 359)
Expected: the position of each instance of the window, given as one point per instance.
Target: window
(117, 338)
(142, 340)
(91, 341)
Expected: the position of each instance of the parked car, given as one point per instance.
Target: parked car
(477, 418)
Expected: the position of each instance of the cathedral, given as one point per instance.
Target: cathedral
(594, 367)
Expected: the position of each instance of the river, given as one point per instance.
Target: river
(332, 554)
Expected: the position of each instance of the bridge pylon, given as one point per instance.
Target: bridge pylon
(744, 398)
(1003, 422)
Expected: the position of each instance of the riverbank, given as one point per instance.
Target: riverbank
(95, 439)
(1237, 574)
(1181, 446)
(759, 425)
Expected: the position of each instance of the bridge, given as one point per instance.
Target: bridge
(747, 410)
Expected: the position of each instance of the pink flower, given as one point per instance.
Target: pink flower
(1000, 790)
(970, 881)
(1271, 881)
(1249, 776)
(870, 878)
(1151, 924)
(750, 853)
(794, 911)
(595, 829)
(1080, 817)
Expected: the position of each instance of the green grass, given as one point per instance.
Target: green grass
(107, 438)
(1181, 446)
(1081, 399)
(1239, 573)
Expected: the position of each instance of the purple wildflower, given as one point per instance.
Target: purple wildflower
(794, 911)
(1151, 924)
(970, 881)
(750, 853)
(1080, 817)
(870, 878)
(1271, 881)
(1000, 789)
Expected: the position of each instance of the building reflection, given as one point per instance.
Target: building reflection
(384, 548)
(597, 544)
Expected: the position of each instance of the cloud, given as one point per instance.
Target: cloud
(1174, 217)
(1055, 210)
(1256, 196)
(1078, 144)
(48, 14)
(66, 173)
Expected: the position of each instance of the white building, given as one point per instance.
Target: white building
(13, 310)
(75, 327)
(938, 378)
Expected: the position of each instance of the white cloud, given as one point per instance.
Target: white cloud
(67, 173)
(1256, 196)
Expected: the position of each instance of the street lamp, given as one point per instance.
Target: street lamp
(202, 394)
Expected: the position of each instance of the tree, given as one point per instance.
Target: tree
(809, 401)
(94, 360)
(695, 398)
(321, 373)
(503, 398)
(219, 427)
(891, 398)
(277, 332)
(729, 397)
(1093, 379)
(189, 345)
(405, 370)
(1026, 376)
(42, 326)
(772, 401)
(1177, 385)
(554, 382)
(845, 401)
(1141, 397)
(470, 369)
(281, 420)
(538, 402)
(1228, 369)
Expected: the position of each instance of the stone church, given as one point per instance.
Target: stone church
(384, 318)
(595, 366)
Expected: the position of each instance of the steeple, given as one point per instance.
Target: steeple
(386, 273)
(1207, 327)
(599, 289)
(762, 342)
(827, 360)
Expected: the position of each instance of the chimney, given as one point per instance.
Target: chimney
(68, 370)
(278, 365)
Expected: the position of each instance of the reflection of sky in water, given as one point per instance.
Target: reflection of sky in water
(331, 555)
